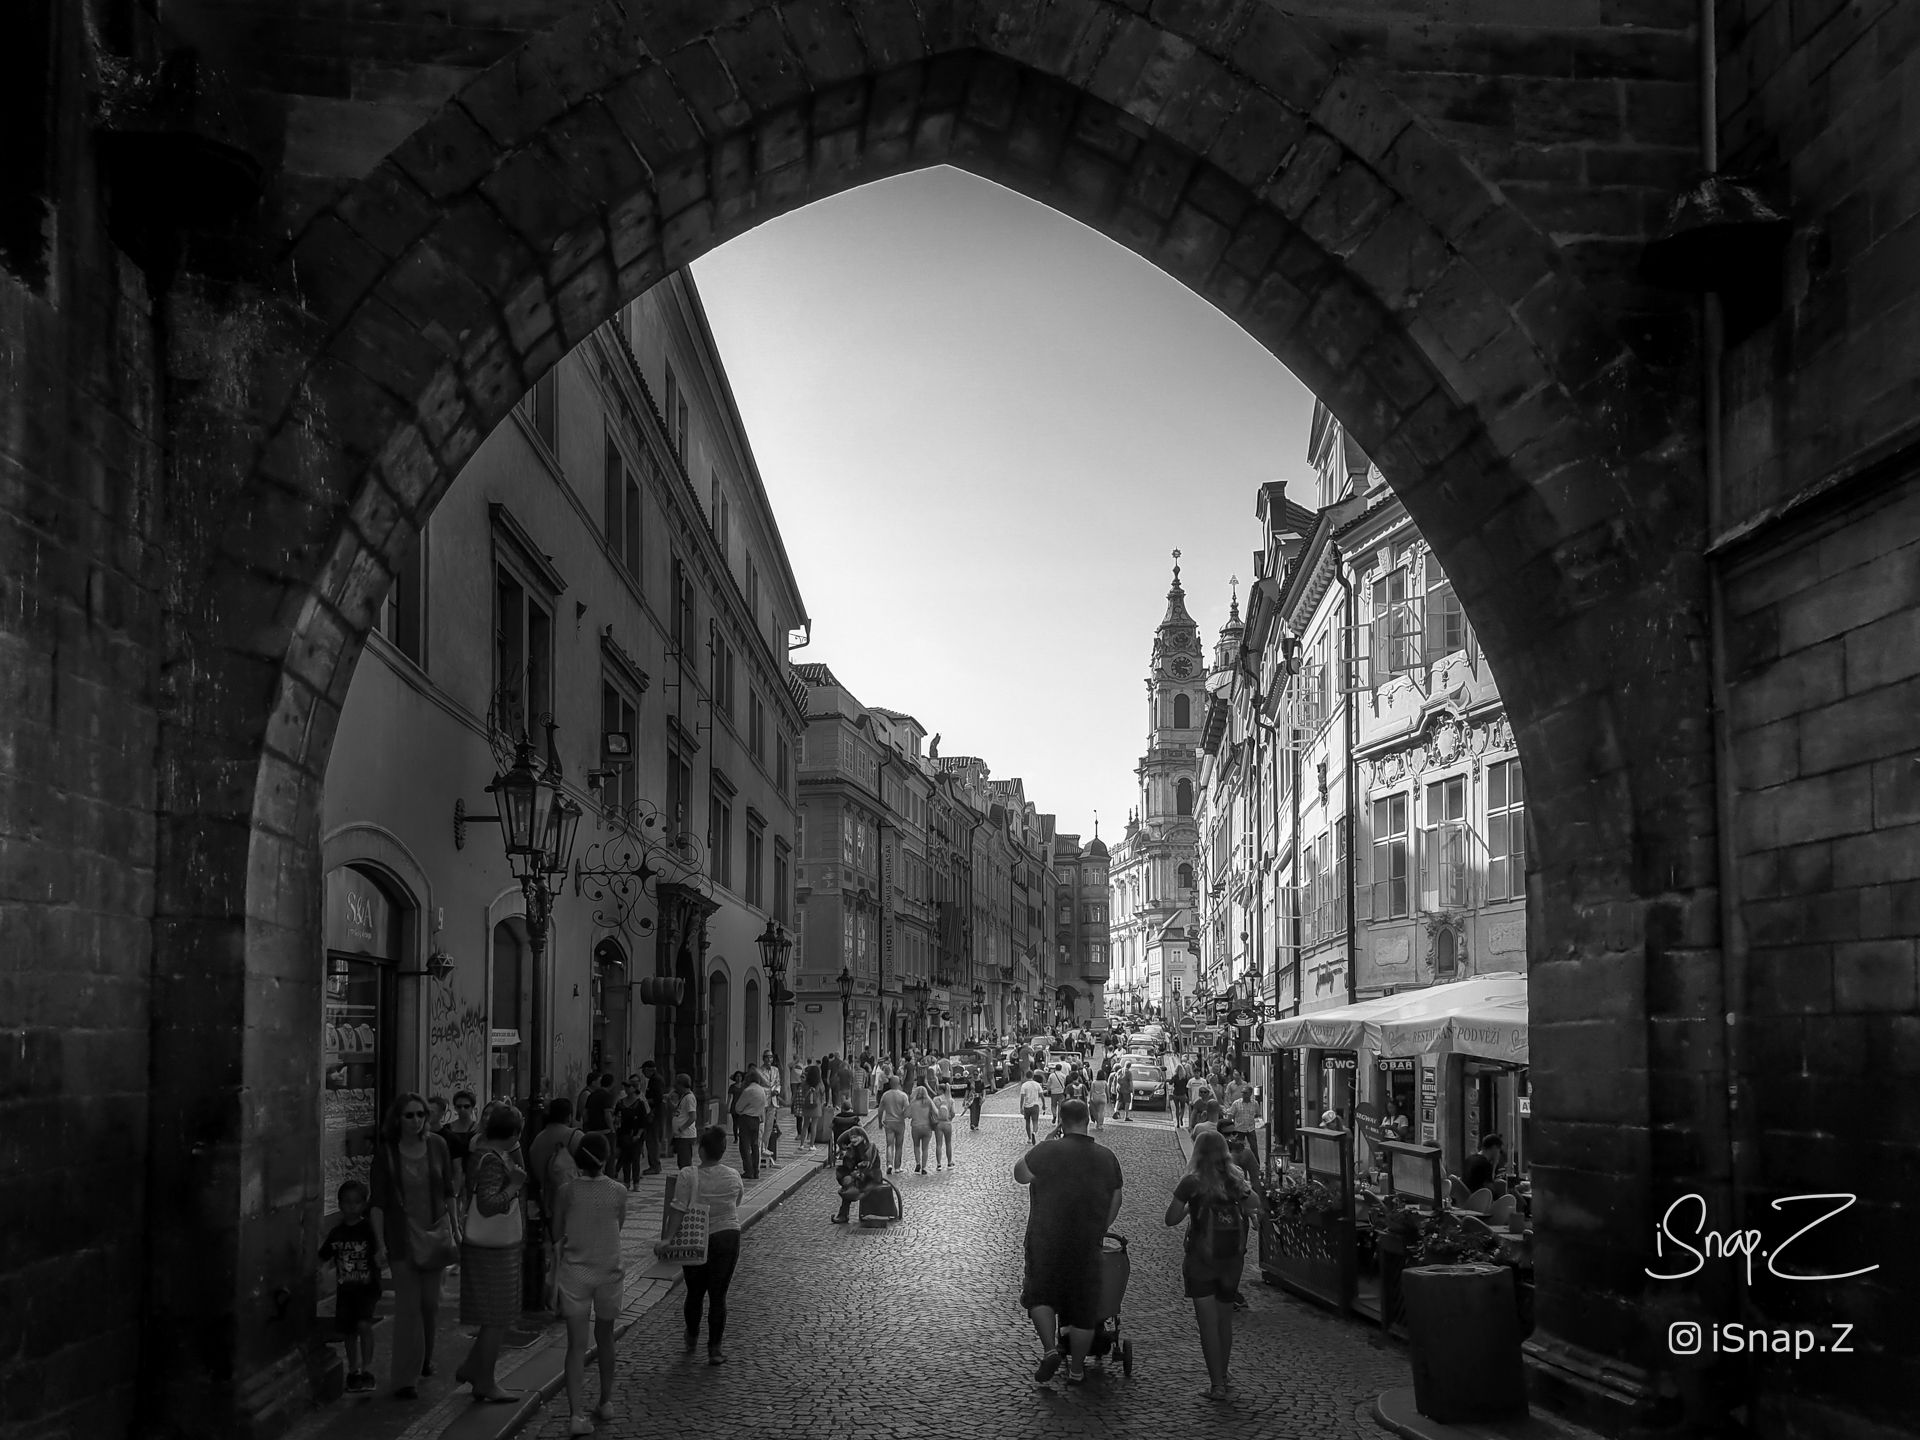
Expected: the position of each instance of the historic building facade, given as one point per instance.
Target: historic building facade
(609, 561)
(1362, 806)
(916, 882)
(1154, 868)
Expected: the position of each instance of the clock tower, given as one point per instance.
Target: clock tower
(1153, 868)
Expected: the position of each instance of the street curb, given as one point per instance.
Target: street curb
(540, 1391)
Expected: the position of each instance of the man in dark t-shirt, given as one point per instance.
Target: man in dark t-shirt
(1076, 1195)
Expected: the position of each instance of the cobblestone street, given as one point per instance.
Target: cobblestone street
(915, 1330)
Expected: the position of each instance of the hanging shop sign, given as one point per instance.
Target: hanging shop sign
(1402, 1062)
(1339, 1062)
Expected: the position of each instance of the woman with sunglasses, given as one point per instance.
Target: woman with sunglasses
(412, 1187)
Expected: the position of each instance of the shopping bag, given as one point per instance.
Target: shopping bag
(689, 1243)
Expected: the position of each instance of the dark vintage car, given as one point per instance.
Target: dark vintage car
(1149, 1087)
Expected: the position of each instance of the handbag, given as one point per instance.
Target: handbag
(689, 1243)
(494, 1232)
(429, 1247)
(432, 1247)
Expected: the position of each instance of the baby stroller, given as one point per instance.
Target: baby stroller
(1115, 1268)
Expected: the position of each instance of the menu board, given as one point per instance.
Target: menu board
(350, 1074)
(1429, 1087)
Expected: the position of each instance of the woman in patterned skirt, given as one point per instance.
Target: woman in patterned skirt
(491, 1247)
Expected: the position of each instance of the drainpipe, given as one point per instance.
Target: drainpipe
(1732, 1112)
(1347, 774)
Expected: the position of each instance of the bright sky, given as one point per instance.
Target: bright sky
(983, 427)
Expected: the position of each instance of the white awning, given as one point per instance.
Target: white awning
(1485, 1017)
(1367, 1024)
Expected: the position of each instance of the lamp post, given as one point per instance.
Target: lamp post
(979, 1007)
(846, 1001)
(538, 821)
(775, 946)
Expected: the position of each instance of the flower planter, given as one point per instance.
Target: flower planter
(1310, 1253)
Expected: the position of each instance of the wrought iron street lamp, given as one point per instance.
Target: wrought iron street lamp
(846, 1003)
(538, 822)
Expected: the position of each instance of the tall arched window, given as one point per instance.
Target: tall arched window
(1182, 712)
(1186, 877)
(1183, 794)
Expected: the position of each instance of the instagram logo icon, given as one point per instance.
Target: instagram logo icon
(1683, 1337)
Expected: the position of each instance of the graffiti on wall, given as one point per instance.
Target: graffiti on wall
(456, 1044)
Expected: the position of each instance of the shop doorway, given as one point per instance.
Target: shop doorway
(718, 1036)
(509, 1001)
(684, 1053)
(608, 1025)
(750, 1026)
(358, 1040)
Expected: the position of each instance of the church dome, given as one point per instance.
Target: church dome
(1097, 847)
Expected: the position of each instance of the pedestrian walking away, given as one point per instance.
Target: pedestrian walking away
(1181, 1085)
(1124, 1091)
(1030, 1093)
(719, 1188)
(1076, 1192)
(893, 1124)
(1097, 1101)
(1218, 1203)
(358, 1255)
(920, 1114)
(975, 1101)
(942, 1129)
(589, 1276)
(1056, 1090)
(492, 1244)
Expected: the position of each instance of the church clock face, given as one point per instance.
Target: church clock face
(1182, 666)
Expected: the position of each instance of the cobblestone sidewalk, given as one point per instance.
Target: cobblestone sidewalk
(445, 1411)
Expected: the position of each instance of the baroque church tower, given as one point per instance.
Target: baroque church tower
(1154, 867)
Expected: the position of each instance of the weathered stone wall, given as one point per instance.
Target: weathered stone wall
(80, 643)
(1324, 183)
(1819, 538)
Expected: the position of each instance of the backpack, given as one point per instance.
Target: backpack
(561, 1168)
(1219, 1229)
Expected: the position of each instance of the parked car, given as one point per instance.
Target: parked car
(1149, 1087)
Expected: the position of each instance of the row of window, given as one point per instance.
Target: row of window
(1451, 854)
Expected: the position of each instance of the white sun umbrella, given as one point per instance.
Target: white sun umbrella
(1485, 1017)
(1344, 1027)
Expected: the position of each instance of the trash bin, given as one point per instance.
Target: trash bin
(1465, 1342)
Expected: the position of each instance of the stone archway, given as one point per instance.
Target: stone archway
(1444, 329)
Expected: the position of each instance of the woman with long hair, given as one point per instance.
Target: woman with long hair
(719, 1188)
(411, 1187)
(1217, 1201)
(920, 1115)
(942, 1128)
(491, 1246)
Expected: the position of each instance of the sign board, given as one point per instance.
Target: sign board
(1339, 1062)
(1429, 1093)
(501, 1039)
(359, 918)
(1402, 1062)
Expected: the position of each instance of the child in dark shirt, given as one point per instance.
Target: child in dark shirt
(358, 1258)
